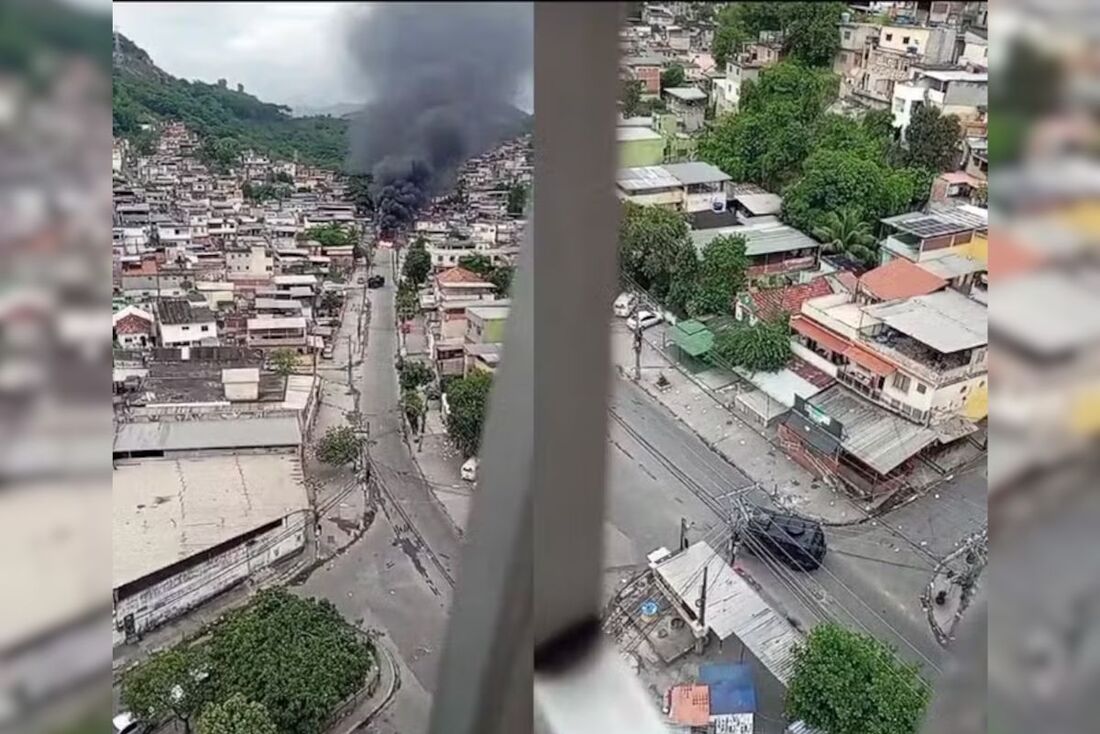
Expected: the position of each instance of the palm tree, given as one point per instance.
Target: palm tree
(847, 233)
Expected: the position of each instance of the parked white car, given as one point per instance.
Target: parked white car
(126, 723)
(643, 320)
(469, 469)
(624, 304)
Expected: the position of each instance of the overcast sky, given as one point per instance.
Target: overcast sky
(288, 53)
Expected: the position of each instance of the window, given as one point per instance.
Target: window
(205, 328)
(922, 388)
(901, 382)
(889, 36)
(186, 328)
(905, 40)
(847, 35)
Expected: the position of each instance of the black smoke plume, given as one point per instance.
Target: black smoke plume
(442, 79)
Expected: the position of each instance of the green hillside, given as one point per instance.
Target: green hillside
(229, 120)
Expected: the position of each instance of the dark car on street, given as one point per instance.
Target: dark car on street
(376, 281)
(795, 541)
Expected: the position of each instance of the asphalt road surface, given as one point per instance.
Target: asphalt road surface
(873, 575)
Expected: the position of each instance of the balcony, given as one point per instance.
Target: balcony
(926, 364)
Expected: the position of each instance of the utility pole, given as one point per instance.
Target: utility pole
(349, 361)
(637, 340)
(700, 642)
(683, 533)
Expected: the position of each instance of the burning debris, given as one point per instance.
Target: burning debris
(442, 79)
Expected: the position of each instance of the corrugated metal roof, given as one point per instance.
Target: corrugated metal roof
(627, 134)
(872, 434)
(946, 320)
(762, 240)
(696, 172)
(688, 94)
(760, 204)
(733, 607)
(641, 178)
(194, 435)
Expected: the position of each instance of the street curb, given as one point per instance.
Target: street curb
(395, 685)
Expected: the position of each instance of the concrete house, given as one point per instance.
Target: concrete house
(688, 104)
(181, 324)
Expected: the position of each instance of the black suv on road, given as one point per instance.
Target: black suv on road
(796, 541)
(376, 281)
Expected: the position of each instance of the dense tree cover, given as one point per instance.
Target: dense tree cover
(339, 445)
(845, 233)
(847, 682)
(838, 180)
(468, 400)
(932, 139)
(221, 114)
(810, 29)
(721, 273)
(774, 130)
(236, 715)
(265, 192)
(656, 254)
(763, 347)
(418, 263)
(673, 76)
(173, 685)
(297, 657)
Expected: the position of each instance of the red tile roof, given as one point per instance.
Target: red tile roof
(900, 278)
(133, 324)
(864, 358)
(459, 275)
(767, 304)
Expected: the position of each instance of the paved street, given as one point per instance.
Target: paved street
(389, 580)
(873, 575)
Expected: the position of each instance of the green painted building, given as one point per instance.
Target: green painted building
(640, 146)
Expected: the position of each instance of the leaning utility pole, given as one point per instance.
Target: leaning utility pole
(700, 642)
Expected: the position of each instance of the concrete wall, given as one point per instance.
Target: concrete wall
(634, 153)
(173, 596)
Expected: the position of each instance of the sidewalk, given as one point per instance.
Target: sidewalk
(441, 466)
(697, 402)
(339, 498)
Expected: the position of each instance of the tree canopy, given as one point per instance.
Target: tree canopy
(932, 139)
(656, 253)
(848, 234)
(329, 235)
(774, 130)
(171, 685)
(418, 263)
(218, 113)
(284, 361)
(809, 29)
(762, 347)
(847, 682)
(517, 198)
(468, 399)
(673, 76)
(236, 715)
(338, 446)
(721, 274)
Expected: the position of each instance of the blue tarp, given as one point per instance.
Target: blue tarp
(731, 688)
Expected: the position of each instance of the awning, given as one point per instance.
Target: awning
(692, 338)
(819, 334)
(869, 361)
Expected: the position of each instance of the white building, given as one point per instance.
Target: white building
(182, 325)
(685, 187)
(961, 93)
(186, 529)
(254, 262)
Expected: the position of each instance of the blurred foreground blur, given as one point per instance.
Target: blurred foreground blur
(1044, 582)
(55, 429)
